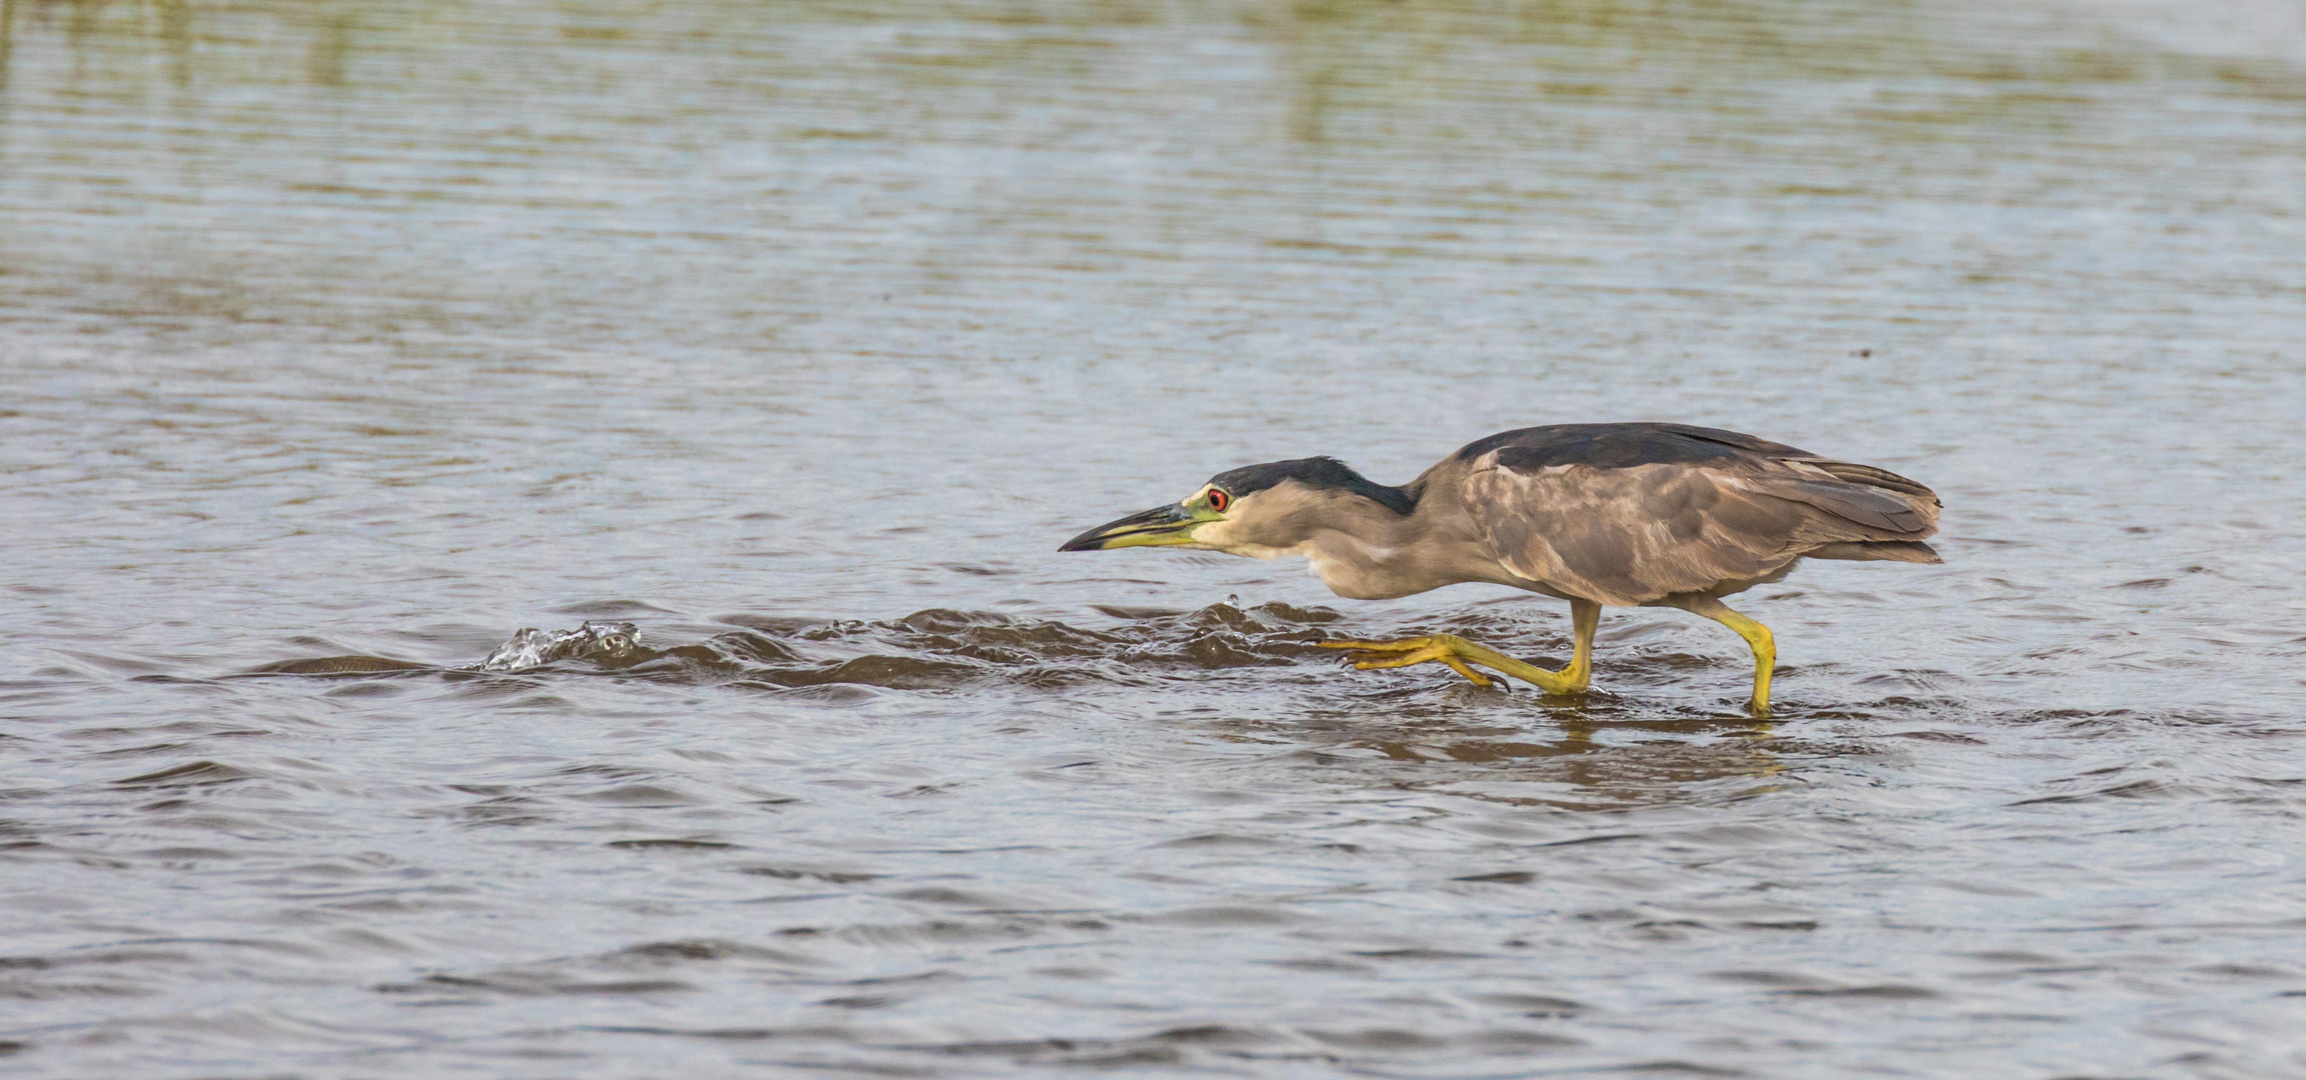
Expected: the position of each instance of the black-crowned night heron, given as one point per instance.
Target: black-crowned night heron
(1596, 514)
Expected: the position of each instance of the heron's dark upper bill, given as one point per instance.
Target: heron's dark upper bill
(1171, 524)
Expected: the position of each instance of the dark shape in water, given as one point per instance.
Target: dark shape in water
(340, 665)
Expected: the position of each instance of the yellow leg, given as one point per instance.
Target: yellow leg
(1456, 652)
(1757, 637)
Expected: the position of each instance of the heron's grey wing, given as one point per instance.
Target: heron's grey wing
(1631, 535)
(1856, 503)
(1628, 536)
(1890, 507)
(1614, 446)
(1869, 476)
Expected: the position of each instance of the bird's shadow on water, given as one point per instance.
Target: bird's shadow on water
(1518, 748)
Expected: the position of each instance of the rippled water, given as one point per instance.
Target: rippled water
(797, 337)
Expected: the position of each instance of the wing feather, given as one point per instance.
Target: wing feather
(1869, 476)
(1857, 503)
(1629, 535)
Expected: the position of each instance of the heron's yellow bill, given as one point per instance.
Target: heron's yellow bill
(1162, 526)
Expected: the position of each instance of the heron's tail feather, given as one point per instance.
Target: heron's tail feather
(1871, 476)
(1874, 509)
(1913, 551)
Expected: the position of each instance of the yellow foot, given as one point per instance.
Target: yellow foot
(1457, 653)
(1440, 648)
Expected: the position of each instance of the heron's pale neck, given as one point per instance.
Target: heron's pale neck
(1365, 551)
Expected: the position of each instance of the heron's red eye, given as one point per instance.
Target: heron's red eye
(1218, 500)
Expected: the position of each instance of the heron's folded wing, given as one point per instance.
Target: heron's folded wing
(1871, 507)
(1870, 476)
(1631, 535)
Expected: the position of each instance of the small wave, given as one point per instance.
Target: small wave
(929, 649)
(340, 665)
(190, 774)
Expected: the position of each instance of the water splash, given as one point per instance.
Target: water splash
(532, 648)
(610, 643)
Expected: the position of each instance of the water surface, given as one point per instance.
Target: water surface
(797, 337)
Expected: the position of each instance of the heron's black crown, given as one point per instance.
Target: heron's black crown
(1319, 473)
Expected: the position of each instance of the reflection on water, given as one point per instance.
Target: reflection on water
(761, 353)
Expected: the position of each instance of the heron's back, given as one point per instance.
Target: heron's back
(1632, 513)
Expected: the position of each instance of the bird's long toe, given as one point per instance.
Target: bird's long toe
(1370, 661)
(1403, 645)
(1477, 678)
(1441, 649)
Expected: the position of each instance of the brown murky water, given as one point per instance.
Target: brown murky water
(797, 336)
